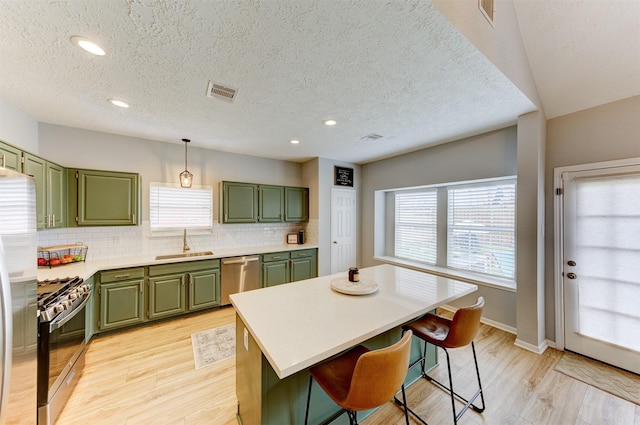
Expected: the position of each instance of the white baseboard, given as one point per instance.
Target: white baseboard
(486, 321)
(538, 349)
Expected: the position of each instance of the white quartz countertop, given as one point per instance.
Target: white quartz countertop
(88, 268)
(299, 324)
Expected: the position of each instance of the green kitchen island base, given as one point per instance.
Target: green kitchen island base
(265, 399)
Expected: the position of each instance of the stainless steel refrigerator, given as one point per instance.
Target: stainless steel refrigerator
(18, 304)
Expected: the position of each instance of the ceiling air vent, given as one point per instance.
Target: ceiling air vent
(372, 136)
(218, 91)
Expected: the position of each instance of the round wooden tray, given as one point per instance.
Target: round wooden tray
(344, 286)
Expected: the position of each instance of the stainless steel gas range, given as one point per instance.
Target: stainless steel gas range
(61, 343)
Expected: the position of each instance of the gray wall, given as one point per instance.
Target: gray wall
(18, 128)
(485, 156)
(605, 133)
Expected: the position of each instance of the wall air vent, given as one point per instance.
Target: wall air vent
(219, 91)
(372, 136)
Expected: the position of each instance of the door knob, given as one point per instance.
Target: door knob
(571, 275)
(571, 263)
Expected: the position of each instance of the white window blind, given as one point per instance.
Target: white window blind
(173, 207)
(17, 205)
(415, 226)
(481, 228)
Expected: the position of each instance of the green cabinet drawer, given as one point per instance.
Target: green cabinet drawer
(275, 256)
(122, 275)
(303, 253)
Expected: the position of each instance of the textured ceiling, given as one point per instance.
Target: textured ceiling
(582, 53)
(396, 68)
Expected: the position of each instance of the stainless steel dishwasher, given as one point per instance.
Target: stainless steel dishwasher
(239, 274)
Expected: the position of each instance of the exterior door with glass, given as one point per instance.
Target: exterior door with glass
(601, 264)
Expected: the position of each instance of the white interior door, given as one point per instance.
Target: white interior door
(601, 264)
(343, 229)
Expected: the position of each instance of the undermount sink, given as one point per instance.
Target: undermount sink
(183, 255)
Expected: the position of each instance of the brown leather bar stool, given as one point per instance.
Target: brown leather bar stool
(449, 333)
(362, 379)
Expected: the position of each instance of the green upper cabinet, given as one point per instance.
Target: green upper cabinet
(50, 191)
(271, 199)
(103, 198)
(253, 203)
(239, 202)
(10, 157)
(296, 204)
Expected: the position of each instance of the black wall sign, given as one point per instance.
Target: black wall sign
(344, 176)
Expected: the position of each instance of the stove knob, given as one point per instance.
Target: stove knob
(59, 308)
(73, 296)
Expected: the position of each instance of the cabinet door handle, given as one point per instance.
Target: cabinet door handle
(53, 220)
(3, 161)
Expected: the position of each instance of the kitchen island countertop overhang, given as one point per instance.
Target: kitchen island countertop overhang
(303, 323)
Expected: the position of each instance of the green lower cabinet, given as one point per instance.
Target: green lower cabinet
(177, 288)
(275, 273)
(203, 289)
(285, 267)
(166, 296)
(304, 264)
(121, 304)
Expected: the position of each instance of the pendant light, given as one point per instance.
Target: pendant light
(186, 178)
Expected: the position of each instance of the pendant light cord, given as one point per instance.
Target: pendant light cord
(185, 152)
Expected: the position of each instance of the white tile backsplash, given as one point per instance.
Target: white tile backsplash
(122, 241)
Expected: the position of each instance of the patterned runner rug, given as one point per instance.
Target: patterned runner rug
(615, 381)
(213, 345)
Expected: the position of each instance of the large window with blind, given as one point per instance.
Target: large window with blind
(172, 207)
(415, 228)
(467, 227)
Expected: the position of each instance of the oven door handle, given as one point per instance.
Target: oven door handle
(58, 323)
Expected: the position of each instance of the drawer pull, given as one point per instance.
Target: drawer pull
(121, 276)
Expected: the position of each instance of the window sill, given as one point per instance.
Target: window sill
(497, 283)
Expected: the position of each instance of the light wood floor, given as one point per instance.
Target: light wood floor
(147, 376)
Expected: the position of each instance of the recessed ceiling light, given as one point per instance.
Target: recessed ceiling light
(330, 122)
(88, 45)
(294, 141)
(118, 103)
